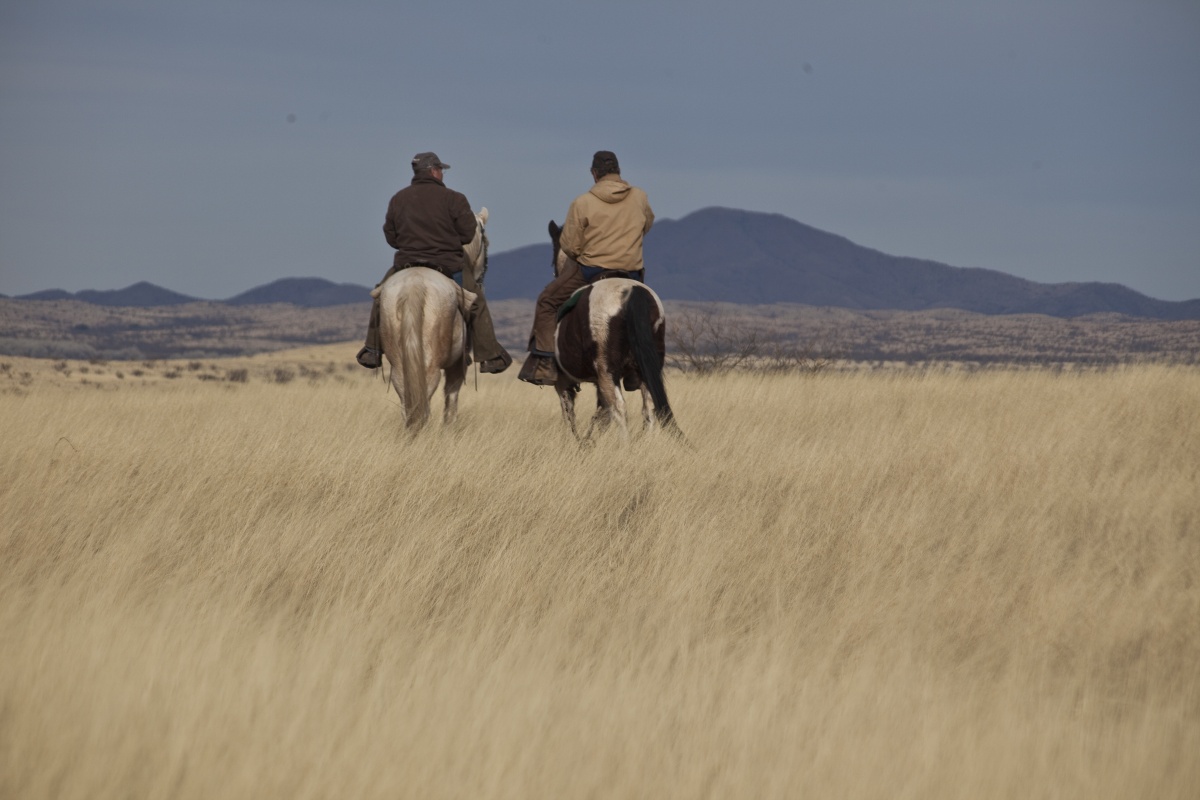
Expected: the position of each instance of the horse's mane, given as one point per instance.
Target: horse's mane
(476, 249)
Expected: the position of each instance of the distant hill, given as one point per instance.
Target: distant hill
(721, 254)
(47, 294)
(304, 292)
(744, 257)
(140, 294)
(520, 273)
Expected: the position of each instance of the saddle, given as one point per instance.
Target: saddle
(592, 275)
(566, 307)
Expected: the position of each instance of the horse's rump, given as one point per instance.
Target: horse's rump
(421, 326)
(440, 305)
(594, 335)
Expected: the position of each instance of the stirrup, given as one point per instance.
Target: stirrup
(529, 370)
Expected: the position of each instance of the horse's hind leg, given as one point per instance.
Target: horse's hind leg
(599, 420)
(618, 410)
(433, 377)
(566, 401)
(455, 377)
(610, 404)
(648, 418)
(397, 378)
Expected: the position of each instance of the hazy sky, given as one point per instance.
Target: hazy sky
(210, 147)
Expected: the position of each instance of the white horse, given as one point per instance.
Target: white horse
(423, 332)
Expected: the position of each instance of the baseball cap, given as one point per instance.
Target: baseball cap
(606, 159)
(422, 161)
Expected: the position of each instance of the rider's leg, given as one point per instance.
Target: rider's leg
(371, 355)
(492, 357)
(539, 368)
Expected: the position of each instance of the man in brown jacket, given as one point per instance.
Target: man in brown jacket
(428, 224)
(602, 238)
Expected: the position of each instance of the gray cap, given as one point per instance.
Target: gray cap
(424, 161)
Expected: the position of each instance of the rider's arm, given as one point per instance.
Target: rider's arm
(389, 229)
(571, 238)
(464, 219)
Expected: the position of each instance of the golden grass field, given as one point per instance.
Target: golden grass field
(877, 584)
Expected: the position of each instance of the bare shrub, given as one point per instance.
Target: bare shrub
(791, 357)
(282, 375)
(704, 340)
(238, 375)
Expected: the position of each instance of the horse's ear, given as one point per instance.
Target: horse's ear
(554, 230)
(483, 215)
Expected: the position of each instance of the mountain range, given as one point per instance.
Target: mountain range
(745, 257)
(304, 292)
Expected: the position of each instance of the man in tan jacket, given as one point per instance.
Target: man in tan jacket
(601, 238)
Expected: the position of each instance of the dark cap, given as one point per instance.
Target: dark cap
(605, 162)
(424, 161)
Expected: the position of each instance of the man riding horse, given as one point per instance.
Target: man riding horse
(602, 238)
(428, 224)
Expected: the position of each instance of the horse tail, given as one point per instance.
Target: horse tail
(640, 332)
(412, 355)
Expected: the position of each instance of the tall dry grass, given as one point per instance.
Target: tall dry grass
(913, 585)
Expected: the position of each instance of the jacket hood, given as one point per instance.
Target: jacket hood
(611, 189)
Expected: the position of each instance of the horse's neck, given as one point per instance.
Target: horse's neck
(474, 250)
(561, 260)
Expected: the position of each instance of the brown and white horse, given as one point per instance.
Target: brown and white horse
(423, 332)
(611, 332)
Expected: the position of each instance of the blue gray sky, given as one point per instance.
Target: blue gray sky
(210, 147)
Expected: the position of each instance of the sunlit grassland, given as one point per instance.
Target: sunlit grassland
(864, 584)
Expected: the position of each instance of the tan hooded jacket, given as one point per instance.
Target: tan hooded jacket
(605, 226)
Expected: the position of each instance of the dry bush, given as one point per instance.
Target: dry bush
(902, 585)
(705, 340)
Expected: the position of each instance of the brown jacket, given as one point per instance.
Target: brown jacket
(428, 224)
(605, 226)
